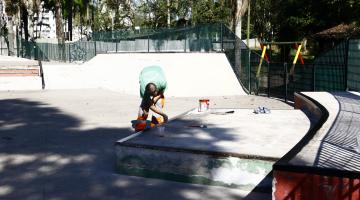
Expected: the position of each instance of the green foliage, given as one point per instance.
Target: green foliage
(270, 20)
(12, 7)
(293, 20)
(102, 20)
(183, 12)
(331, 13)
(205, 11)
(154, 13)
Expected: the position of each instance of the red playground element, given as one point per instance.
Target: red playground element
(298, 186)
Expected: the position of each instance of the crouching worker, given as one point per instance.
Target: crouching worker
(152, 86)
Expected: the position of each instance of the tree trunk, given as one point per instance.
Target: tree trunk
(168, 13)
(237, 28)
(59, 30)
(10, 37)
(24, 18)
(70, 15)
(58, 21)
(241, 7)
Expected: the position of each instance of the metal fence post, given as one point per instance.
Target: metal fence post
(346, 63)
(95, 48)
(268, 79)
(69, 53)
(249, 69)
(285, 80)
(17, 41)
(185, 45)
(313, 78)
(116, 46)
(35, 52)
(222, 37)
(148, 43)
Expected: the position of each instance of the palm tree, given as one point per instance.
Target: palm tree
(11, 9)
(82, 7)
(58, 21)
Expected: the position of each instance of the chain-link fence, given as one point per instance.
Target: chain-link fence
(330, 69)
(353, 65)
(68, 52)
(335, 70)
(205, 38)
(3, 46)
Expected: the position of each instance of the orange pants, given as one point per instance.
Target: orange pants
(142, 122)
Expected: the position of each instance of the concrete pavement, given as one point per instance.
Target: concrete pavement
(59, 145)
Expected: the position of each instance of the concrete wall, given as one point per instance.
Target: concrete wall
(192, 167)
(188, 74)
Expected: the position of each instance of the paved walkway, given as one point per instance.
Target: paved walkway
(59, 145)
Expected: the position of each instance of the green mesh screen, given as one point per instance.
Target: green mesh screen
(68, 52)
(327, 73)
(354, 65)
(277, 76)
(204, 38)
(240, 57)
(330, 69)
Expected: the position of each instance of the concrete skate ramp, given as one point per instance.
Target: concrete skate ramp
(188, 74)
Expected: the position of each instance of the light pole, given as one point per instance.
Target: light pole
(247, 41)
(248, 25)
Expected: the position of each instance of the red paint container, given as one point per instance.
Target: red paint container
(204, 105)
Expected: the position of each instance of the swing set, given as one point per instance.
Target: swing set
(266, 55)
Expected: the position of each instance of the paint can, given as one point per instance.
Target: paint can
(203, 105)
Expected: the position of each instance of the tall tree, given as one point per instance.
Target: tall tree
(239, 8)
(261, 14)
(24, 17)
(102, 21)
(11, 9)
(59, 22)
(124, 14)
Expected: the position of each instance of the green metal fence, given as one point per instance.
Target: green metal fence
(68, 52)
(353, 65)
(335, 70)
(330, 69)
(204, 38)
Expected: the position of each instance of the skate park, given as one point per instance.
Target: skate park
(61, 116)
(77, 130)
(69, 101)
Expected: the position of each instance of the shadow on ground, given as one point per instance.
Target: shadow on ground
(44, 154)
